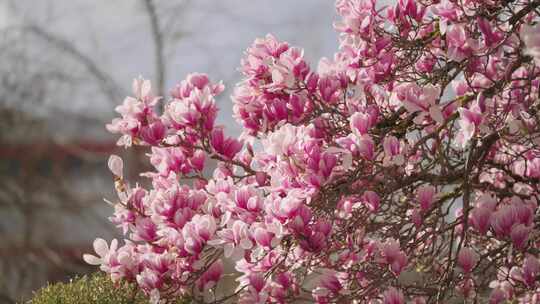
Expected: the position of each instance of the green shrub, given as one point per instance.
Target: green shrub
(92, 289)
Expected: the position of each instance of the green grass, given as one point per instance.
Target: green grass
(92, 289)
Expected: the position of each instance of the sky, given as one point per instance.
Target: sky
(206, 36)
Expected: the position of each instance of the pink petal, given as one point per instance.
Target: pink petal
(92, 259)
(116, 165)
(101, 247)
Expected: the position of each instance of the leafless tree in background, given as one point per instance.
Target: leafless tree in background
(39, 195)
(52, 163)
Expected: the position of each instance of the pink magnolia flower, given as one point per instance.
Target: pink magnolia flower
(205, 226)
(497, 296)
(183, 113)
(520, 235)
(116, 165)
(528, 273)
(226, 146)
(104, 253)
(366, 147)
(419, 300)
(470, 120)
(271, 67)
(234, 239)
(153, 133)
(371, 200)
(467, 259)
(247, 198)
(138, 116)
(459, 44)
(197, 232)
(144, 230)
(264, 237)
(447, 12)
(393, 256)
(329, 88)
(418, 99)
(480, 219)
(141, 88)
(416, 217)
(149, 280)
(330, 281)
(261, 178)
(531, 270)
(425, 196)
(524, 212)
(360, 123)
(466, 287)
(281, 142)
(503, 220)
(197, 160)
(211, 276)
(393, 296)
(256, 282)
(167, 160)
(490, 37)
(391, 146)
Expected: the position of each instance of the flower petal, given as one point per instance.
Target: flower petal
(101, 247)
(92, 259)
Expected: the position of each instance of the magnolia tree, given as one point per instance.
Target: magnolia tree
(403, 170)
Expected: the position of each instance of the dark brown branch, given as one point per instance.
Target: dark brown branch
(157, 36)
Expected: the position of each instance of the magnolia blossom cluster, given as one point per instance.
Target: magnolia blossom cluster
(405, 169)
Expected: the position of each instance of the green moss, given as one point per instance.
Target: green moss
(92, 289)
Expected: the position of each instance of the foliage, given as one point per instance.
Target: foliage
(92, 289)
(406, 168)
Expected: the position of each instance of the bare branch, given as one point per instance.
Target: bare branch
(157, 36)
